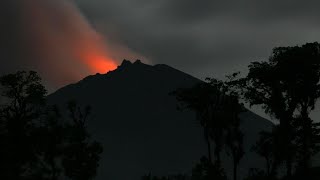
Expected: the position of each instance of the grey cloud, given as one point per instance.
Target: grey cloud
(200, 37)
(203, 38)
(195, 35)
(190, 10)
(9, 35)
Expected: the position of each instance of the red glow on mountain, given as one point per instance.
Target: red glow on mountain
(99, 63)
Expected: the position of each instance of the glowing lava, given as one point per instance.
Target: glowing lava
(91, 50)
(99, 63)
(63, 43)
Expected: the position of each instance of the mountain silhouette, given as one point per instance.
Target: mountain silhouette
(140, 127)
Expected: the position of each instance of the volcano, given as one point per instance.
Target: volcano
(139, 126)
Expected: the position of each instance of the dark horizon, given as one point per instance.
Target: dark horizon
(159, 90)
(208, 39)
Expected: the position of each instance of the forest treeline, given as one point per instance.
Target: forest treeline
(287, 87)
(39, 142)
(36, 141)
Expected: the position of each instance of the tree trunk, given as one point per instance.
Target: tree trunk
(273, 171)
(268, 166)
(286, 151)
(235, 167)
(217, 154)
(206, 135)
(305, 138)
(289, 167)
(54, 169)
(209, 150)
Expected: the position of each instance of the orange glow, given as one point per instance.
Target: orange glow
(63, 44)
(99, 63)
(92, 52)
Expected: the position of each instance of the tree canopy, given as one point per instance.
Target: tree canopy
(36, 141)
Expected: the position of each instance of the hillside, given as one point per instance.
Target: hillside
(137, 121)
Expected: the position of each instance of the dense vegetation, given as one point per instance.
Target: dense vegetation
(38, 142)
(287, 88)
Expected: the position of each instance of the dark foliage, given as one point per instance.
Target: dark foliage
(283, 86)
(205, 170)
(205, 99)
(19, 118)
(217, 109)
(81, 156)
(36, 141)
(171, 177)
(267, 147)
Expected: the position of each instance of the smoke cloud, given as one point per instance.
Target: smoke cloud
(62, 45)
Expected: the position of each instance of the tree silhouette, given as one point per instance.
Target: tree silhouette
(50, 137)
(265, 88)
(36, 141)
(234, 142)
(230, 110)
(81, 156)
(287, 83)
(205, 170)
(197, 99)
(266, 147)
(256, 174)
(287, 88)
(307, 142)
(301, 75)
(217, 108)
(206, 99)
(23, 98)
(170, 177)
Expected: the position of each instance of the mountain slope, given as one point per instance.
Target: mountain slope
(139, 126)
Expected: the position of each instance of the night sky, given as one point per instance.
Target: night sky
(205, 38)
(67, 40)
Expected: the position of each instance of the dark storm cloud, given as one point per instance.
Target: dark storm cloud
(54, 39)
(205, 37)
(9, 35)
(190, 10)
(22, 27)
(251, 10)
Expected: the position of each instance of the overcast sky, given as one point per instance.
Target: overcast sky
(208, 37)
(203, 38)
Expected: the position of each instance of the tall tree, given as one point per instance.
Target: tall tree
(205, 99)
(230, 109)
(36, 141)
(217, 107)
(266, 147)
(23, 96)
(50, 141)
(301, 75)
(287, 83)
(205, 170)
(265, 88)
(81, 154)
(234, 137)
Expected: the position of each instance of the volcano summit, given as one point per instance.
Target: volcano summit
(139, 126)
